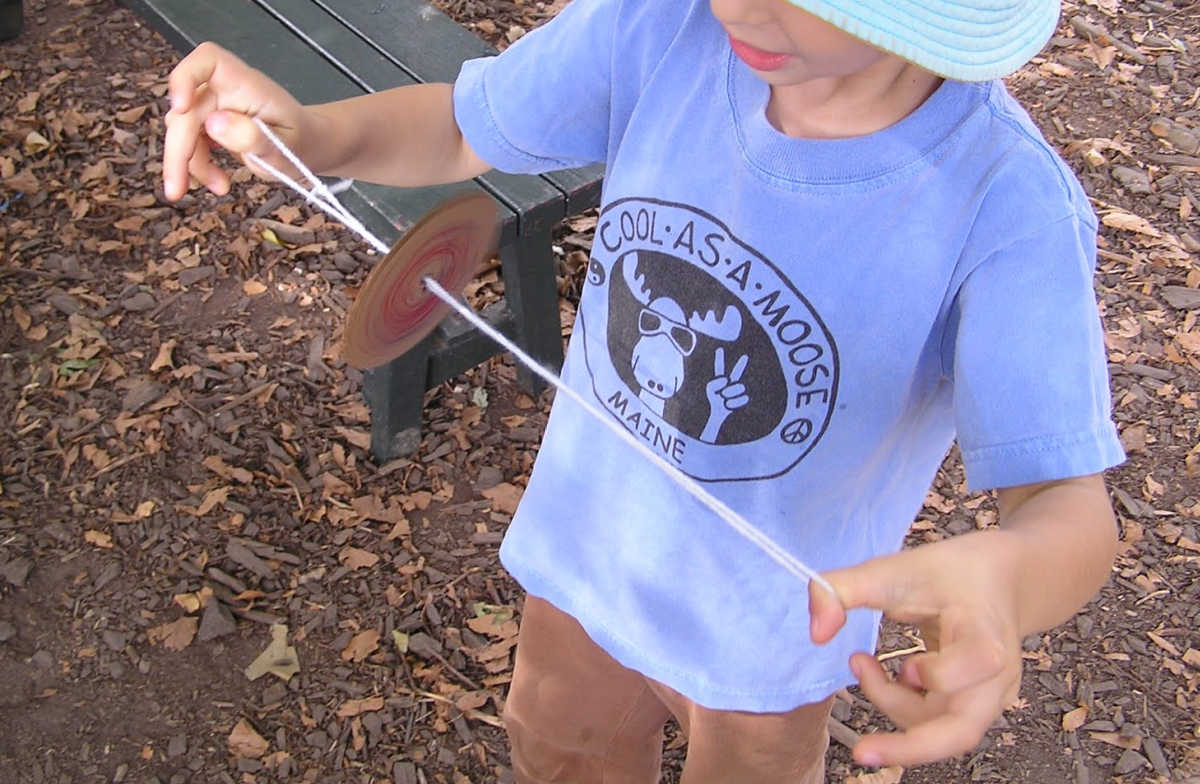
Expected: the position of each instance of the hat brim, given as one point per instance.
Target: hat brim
(965, 40)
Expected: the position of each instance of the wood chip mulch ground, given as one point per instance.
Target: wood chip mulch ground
(185, 485)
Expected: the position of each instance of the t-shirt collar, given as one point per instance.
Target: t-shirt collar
(859, 160)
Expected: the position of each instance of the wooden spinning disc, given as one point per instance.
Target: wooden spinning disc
(394, 311)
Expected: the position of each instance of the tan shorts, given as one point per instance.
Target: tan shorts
(574, 715)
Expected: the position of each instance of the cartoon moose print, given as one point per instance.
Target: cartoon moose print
(667, 336)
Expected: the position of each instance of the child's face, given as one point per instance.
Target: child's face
(785, 45)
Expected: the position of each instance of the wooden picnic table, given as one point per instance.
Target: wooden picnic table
(326, 50)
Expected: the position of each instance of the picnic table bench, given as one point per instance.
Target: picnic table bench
(326, 50)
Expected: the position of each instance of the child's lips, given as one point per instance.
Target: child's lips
(756, 58)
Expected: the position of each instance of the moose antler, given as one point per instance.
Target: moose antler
(636, 282)
(726, 327)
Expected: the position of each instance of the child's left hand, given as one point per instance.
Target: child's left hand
(974, 596)
(944, 699)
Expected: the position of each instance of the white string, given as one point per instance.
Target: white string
(716, 505)
(320, 193)
(324, 197)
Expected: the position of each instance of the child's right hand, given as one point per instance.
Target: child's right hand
(214, 98)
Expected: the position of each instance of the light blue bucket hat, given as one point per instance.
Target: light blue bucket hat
(966, 40)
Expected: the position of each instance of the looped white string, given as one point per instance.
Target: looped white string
(320, 194)
(716, 505)
(323, 196)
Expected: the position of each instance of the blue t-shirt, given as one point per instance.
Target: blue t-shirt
(804, 325)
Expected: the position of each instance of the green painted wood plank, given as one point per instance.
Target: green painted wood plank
(582, 186)
(458, 346)
(322, 31)
(531, 198)
(413, 34)
(254, 36)
(432, 47)
(265, 43)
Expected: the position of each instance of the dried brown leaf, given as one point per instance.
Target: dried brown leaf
(221, 357)
(278, 658)
(28, 102)
(1125, 221)
(889, 775)
(212, 499)
(24, 181)
(361, 645)
(222, 469)
(400, 528)
(190, 602)
(1051, 68)
(495, 651)
(334, 486)
(163, 358)
(178, 236)
(1164, 643)
(98, 538)
(1133, 438)
(472, 700)
(22, 317)
(244, 741)
(1117, 739)
(175, 636)
(358, 438)
(504, 497)
(99, 170)
(355, 707)
(130, 116)
(254, 288)
(1189, 342)
(96, 456)
(493, 626)
(1073, 720)
(34, 143)
(357, 558)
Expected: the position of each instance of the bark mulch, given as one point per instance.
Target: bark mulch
(185, 485)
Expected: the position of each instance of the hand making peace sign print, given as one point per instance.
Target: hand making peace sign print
(725, 393)
(671, 330)
(702, 347)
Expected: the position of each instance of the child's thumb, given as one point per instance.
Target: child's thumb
(825, 611)
(880, 583)
(235, 132)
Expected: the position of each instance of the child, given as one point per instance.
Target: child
(828, 246)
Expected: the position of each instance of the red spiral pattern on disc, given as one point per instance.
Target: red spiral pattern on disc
(394, 310)
(408, 303)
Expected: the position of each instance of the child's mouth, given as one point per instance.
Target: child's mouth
(756, 58)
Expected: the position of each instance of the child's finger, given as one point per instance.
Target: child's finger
(942, 737)
(194, 70)
(975, 654)
(237, 133)
(204, 169)
(179, 147)
(826, 613)
(895, 584)
(902, 704)
(909, 675)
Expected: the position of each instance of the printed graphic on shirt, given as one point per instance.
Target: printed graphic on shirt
(701, 347)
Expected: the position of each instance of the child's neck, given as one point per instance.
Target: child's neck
(854, 105)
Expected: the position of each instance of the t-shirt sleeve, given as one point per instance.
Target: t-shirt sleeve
(543, 104)
(1031, 386)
